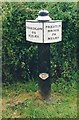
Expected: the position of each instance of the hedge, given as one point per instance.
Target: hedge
(20, 58)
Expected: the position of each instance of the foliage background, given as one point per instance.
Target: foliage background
(20, 58)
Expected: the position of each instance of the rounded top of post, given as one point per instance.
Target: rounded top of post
(43, 15)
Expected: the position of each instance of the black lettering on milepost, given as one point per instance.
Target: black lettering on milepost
(33, 36)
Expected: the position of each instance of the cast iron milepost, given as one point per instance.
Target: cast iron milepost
(44, 31)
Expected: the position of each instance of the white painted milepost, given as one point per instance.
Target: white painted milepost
(43, 30)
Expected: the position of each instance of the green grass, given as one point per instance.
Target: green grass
(19, 101)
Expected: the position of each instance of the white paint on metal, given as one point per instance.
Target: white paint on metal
(34, 32)
(52, 32)
(44, 32)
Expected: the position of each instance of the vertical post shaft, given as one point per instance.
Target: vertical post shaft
(44, 67)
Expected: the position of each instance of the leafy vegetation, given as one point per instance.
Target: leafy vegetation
(20, 58)
(20, 101)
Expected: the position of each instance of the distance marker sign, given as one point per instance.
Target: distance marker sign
(34, 31)
(52, 32)
(44, 32)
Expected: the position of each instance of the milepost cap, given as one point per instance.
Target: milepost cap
(43, 15)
